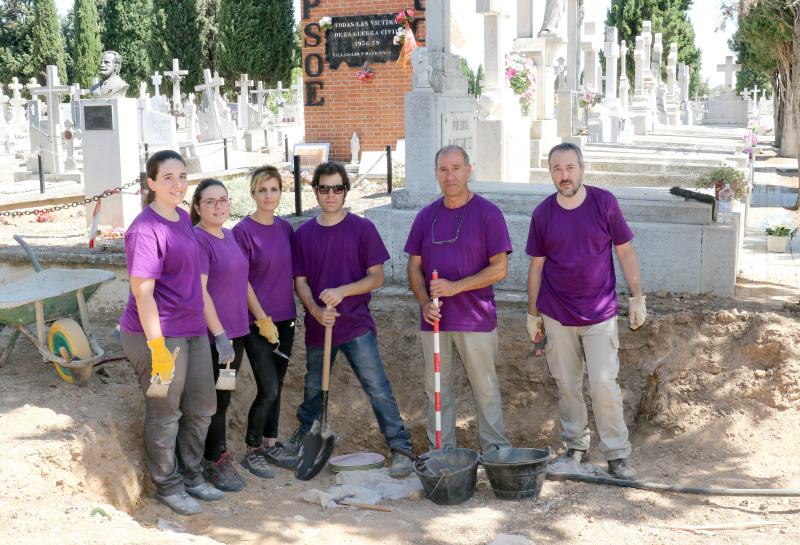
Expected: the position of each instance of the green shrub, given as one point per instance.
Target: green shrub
(725, 175)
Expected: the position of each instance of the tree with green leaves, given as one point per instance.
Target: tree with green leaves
(257, 38)
(209, 29)
(127, 30)
(670, 18)
(16, 18)
(48, 47)
(86, 42)
(177, 35)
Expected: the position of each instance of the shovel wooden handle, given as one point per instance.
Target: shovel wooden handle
(326, 357)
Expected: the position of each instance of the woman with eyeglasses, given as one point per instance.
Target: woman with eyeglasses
(163, 335)
(223, 275)
(267, 242)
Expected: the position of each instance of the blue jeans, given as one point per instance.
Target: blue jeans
(365, 360)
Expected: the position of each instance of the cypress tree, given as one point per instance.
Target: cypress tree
(127, 31)
(209, 28)
(48, 47)
(16, 17)
(87, 46)
(257, 38)
(177, 34)
(670, 17)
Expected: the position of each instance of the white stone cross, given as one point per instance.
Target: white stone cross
(745, 94)
(729, 68)
(210, 88)
(755, 93)
(260, 93)
(69, 163)
(611, 52)
(15, 86)
(244, 85)
(437, 25)
(156, 79)
(52, 93)
(33, 82)
(176, 75)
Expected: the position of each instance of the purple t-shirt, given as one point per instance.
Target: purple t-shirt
(226, 266)
(168, 252)
(330, 256)
(483, 233)
(268, 249)
(578, 280)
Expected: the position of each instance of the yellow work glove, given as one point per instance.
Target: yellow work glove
(637, 313)
(163, 363)
(267, 329)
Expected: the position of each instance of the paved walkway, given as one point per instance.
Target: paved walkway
(770, 278)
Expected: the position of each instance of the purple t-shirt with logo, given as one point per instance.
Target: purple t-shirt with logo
(168, 252)
(481, 233)
(226, 266)
(331, 256)
(578, 280)
(268, 249)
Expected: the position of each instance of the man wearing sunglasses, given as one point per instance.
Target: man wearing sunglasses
(464, 238)
(338, 261)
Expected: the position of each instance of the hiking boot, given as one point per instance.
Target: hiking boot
(401, 465)
(293, 446)
(619, 469)
(222, 474)
(181, 503)
(574, 455)
(280, 456)
(205, 491)
(256, 464)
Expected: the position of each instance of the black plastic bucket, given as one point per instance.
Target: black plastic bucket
(448, 476)
(516, 473)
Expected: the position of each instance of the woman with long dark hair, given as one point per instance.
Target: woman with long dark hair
(163, 334)
(266, 241)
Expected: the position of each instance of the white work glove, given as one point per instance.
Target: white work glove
(637, 313)
(535, 327)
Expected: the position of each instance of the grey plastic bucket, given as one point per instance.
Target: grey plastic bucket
(448, 476)
(516, 473)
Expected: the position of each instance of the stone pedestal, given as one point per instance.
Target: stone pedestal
(254, 139)
(111, 158)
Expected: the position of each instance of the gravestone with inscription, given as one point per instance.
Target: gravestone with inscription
(361, 39)
(111, 158)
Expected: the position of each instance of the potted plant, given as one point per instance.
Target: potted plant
(718, 177)
(779, 230)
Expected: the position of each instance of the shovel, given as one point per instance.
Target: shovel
(319, 442)
(227, 378)
(160, 389)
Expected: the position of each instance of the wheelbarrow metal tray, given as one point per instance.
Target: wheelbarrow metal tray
(56, 288)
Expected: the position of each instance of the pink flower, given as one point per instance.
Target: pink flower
(510, 72)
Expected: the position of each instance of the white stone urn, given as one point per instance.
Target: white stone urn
(777, 243)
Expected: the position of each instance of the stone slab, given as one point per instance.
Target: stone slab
(25, 176)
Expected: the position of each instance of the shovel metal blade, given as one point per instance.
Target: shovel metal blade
(315, 451)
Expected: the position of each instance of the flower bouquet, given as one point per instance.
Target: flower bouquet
(404, 36)
(521, 77)
(589, 99)
(325, 23)
(365, 74)
(750, 140)
(779, 228)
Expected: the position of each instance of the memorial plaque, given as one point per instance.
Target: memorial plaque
(312, 155)
(98, 118)
(458, 128)
(361, 38)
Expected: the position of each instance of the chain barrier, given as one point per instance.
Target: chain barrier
(38, 211)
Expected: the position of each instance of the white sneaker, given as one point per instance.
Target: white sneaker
(181, 503)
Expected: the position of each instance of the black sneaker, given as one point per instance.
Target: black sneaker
(293, 446)
(401, 465)
(619, 469)
(280, 456)
(575, 455)
(222, 474)
(256, 464)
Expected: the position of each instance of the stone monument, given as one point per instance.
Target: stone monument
(727, 108)
(110, 84)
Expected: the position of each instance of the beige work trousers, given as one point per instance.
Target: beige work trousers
(567, 349)
(478, 352)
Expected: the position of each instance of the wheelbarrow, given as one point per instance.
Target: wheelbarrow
(51, 296)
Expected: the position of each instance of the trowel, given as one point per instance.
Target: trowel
(227, 378)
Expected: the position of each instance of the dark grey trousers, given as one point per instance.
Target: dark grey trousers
(182, 418)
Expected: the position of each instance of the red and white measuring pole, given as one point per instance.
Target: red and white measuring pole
(437, 373)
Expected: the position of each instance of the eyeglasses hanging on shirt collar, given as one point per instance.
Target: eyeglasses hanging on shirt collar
(458, 224)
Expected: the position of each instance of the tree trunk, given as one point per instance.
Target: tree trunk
(777, 111)
(793, 89)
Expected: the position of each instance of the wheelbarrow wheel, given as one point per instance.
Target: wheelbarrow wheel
(68, 334)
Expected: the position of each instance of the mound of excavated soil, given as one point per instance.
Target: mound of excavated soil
(711, 398)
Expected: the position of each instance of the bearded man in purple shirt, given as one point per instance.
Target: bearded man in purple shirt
(338, 260)
(465, 239)
(572, 298)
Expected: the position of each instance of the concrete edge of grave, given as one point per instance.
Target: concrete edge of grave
(642, 204)
(108, 254)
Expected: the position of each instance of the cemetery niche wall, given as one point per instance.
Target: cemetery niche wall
(337, 102)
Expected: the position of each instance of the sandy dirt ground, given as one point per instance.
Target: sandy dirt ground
(711, 389)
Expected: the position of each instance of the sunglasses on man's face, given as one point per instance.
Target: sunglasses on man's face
(325, 189)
